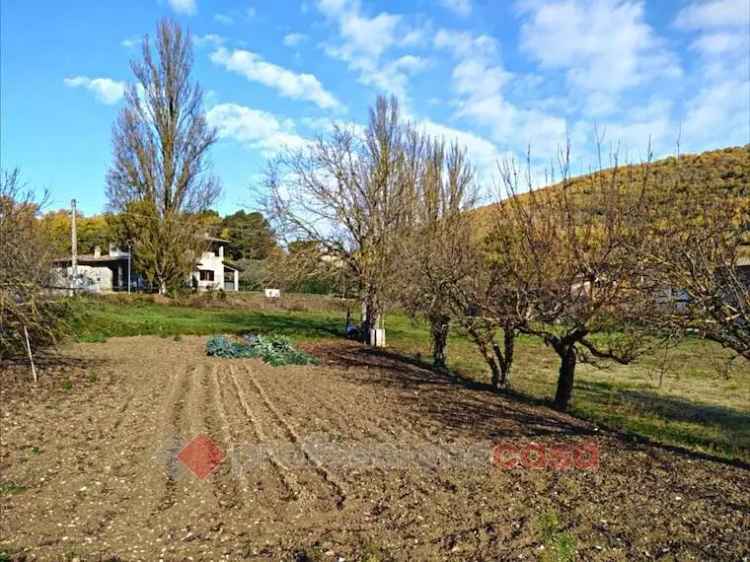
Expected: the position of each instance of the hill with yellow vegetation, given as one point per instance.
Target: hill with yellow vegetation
(725, 171)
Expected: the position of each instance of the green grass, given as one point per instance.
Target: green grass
(688, 399)
(11, 488)
(559, 545)
(98, 320)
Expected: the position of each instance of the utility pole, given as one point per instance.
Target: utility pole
(74, 244)
(130, 255)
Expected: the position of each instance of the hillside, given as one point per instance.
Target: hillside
(725, 171)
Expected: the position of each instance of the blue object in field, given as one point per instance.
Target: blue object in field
(352, 332)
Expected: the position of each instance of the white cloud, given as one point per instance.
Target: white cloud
(363, 36)
(130, 42)
(465, 44)
(714, 13)
(649, 122)
(208, 40)
(414, 37)
(364, 40)
(393, 77)
(719, 115)
(223, 19)
(723, 40)
(459, 7)
(187, 7)
(721, 43)
(483, 154)
(294, 39)
(254, 128)
(604, 46)
(479, 79)
(718, 111)
(106, 90)
(287, 83)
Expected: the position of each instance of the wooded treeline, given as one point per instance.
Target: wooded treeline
(248, 234)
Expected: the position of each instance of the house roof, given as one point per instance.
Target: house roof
(90, 258)
(214, 239)
(232, 265)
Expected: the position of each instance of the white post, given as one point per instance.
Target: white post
(130, 251)
(31, 358)
(236, 280)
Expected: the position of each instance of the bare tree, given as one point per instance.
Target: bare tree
(305, 267)
(353, 194)
(486, 304)
(699, 257)
(437, 255)
(572, 253)
(159, 175)
(25, 272)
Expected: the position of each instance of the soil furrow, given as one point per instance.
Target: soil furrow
(92, 475)
(312, 460)
(288, 478)
(235, 479)
(389, 438)
(121, 411)
(171, 439)
(350, 438)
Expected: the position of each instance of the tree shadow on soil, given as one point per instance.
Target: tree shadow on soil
(449, 401)
(474, 409)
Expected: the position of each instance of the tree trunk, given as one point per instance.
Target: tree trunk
(370, 318)
(565, 380)
(496, 372)
(439, 327)
(492, 360)
(509, 343)
(504, 358)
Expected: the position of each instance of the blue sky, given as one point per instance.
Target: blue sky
(498, 76)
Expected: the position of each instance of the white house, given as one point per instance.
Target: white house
(213, 272)
(103, 273)
(97, 272)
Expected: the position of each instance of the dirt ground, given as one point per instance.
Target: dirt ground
(364, 457)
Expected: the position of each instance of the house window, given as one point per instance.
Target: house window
(206, 274)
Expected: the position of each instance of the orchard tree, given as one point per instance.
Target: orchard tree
(352, 192)
(573, 258)
(437, 255)
(305, 267)
(25, 272)
(487, 305)
(698, 256)
(159, 178)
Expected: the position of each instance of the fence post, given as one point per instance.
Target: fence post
(31, 359)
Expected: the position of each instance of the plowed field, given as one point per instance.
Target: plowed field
(365, 455)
